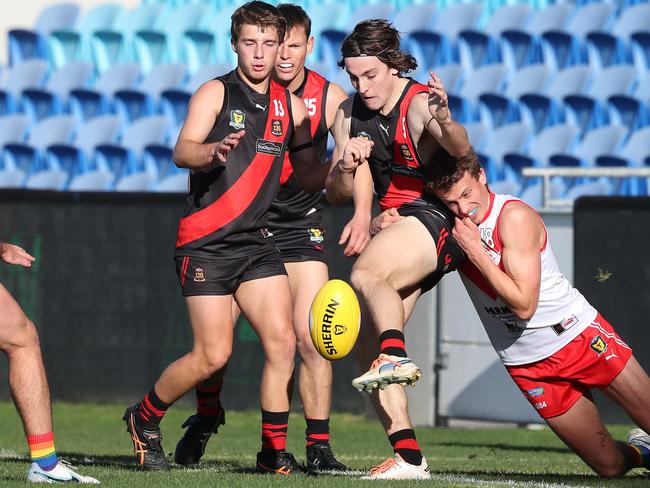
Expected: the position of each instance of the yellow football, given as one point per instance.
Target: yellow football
(334, 319)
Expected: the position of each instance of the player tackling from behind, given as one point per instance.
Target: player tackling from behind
(553, 343)
(296, 222)
(233, 140)
(388, 133)
(28, 382)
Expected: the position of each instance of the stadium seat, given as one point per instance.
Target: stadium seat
(486, 79)
(13, 128)
(450, 74)
(53, 99)
(631, 110)
(590, 188)
(588, 110)
(544, 109)
(600, 141)
(416, 17)
(609, 48)
(510, 138)
(132, 103)
(504, 109)
(506, 187)
(206, 73)
(29, 74)
(532, 194)
(521, 46)
(564, 48)
(162, 43)
(475, 133)
(88, 103)
(437, 45)
(116, 43)
(634, 152)
(552, 140)
(171, 179)
(32, 43)
(479, 47)
(73, 43)
(640, 44)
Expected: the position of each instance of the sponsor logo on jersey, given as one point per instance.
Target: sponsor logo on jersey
(199, 275)
(598, 345)
(237, 119)
(406, 152)
(539, 405)
(408, 171)
(276, 127)
(269, 147)
(316, 235)
(535, 392)
(364, 135)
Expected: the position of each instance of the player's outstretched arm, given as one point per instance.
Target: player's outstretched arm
(204, 108)
(522, 237)
(433, 110)
(12, 254)
(310, 171)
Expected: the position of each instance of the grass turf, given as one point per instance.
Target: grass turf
(93, 437)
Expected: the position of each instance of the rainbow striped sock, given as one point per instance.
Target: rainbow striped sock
(42, 450)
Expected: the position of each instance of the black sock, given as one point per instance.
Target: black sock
(405, 444)
(274, 431)
(317, 431)
(152, 410)
(392, 342)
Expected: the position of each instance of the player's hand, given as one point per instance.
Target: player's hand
(227, 144)
(383, 220)
(356, 152)
(467, 235)
(357, 235)
(438, 99)
(13, 254)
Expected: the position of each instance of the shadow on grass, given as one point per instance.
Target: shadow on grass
(559, 478)
(504, 447)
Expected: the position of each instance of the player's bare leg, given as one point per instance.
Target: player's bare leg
(397, 259)
(31, 394)
(266, 303)
(211, 321)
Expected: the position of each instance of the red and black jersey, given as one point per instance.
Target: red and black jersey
(294, 207)
(396, 167)
(227, 206)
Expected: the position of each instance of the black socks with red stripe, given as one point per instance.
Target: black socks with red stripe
(151, 411)
(274, 431)
(317, 431)
(208, 402)
(404, 444)
(392, 343)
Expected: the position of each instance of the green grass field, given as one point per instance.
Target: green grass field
(94, 438)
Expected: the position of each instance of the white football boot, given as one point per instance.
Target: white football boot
(63, 472)
(639, 439)
(387, 370)
(398, 469)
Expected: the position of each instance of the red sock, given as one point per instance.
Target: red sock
(317, 431)
(405, 444)
(274, 430)
(208, 402)
(392, 343)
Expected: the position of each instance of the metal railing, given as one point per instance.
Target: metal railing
(548, 173)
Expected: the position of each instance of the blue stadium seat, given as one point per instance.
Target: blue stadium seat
(53, 99)
(564, 48)
(415, 17)
(206, 73)
(521, 46)
(450, 74)
(73, 44)
(552, 140)
(532, 194)
(29, 74)
(13, 128)
(437, 45)
(32, 43)
(601, 141)
(602, 188)
(609, 48)
(640, 44)
(635, 150)
(133, 103)
(479, 47)
(510, 138)
(486, 79)
(88, 103)
(504, 109)
(475, 133)
(588, 110)
(631, 110)
(171, 179)
(544, 109)
(506, 187)
(115, 44)
(162, 43)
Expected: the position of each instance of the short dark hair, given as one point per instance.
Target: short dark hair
(445, 170)
(295, 16)
(257, 13)
(377, 37)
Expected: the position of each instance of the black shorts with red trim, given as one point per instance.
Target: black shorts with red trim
(439, 221)
(301, 244)
(222, 275)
